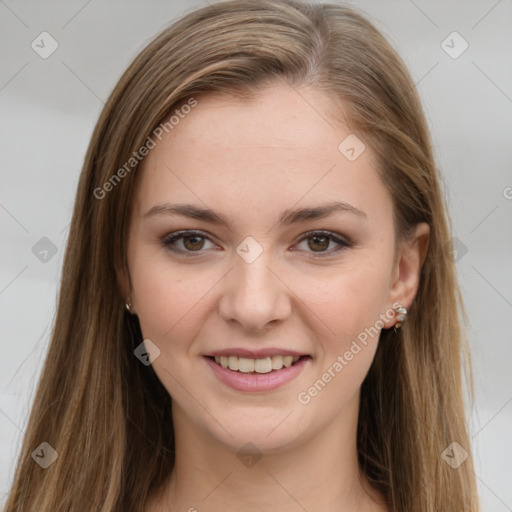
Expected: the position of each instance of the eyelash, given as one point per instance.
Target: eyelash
(171, 239)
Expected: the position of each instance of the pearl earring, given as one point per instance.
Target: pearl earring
(401, 315)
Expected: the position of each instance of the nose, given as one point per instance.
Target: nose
(255, 296)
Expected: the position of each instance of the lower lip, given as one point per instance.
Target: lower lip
(257, 381)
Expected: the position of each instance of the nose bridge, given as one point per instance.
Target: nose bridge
(253, 295)
(254, 278)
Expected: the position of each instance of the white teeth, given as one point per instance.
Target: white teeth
(266, 365)
(245, 365)
(277, 362)
(263, 365)
(287, 360)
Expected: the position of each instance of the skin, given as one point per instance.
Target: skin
(249, 161)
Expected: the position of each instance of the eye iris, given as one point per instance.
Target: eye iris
(324, 239)
(194, 246)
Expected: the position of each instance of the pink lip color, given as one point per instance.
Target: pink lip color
(257, 381)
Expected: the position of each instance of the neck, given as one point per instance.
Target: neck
(320, 473)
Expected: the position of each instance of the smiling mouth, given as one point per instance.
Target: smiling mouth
(248, 365)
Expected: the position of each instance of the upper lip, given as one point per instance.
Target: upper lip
(254, 354)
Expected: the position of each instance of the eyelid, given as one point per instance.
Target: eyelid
(342, 241)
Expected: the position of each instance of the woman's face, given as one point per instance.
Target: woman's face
(257, 282)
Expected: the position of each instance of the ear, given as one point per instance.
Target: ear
(405, 280)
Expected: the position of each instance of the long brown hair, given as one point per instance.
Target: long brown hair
(108, 416)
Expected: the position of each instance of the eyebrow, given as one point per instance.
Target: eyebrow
(288, 217)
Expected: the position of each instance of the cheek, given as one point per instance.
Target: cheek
(348, 306)
(174, 303)
(346, 300)
(167, 299)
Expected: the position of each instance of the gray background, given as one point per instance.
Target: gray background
(49, 108)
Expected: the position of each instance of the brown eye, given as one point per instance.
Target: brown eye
(185, 242)
(193, 242)
(319, 243)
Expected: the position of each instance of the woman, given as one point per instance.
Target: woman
(259, 308)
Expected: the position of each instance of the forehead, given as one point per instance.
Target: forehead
(278, 148)
(279, 120)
